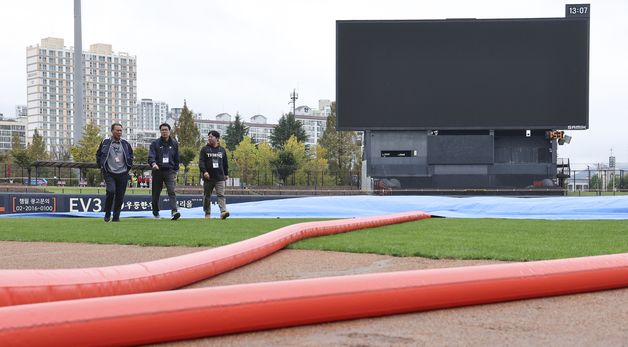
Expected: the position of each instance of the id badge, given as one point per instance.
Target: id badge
(215, 164)
(116, 159)
(165, 160)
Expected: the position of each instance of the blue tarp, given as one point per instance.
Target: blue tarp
(575, 208)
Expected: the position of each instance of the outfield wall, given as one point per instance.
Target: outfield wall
(37, 202)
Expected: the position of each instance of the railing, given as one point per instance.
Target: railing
(591, 181)
(594, 181)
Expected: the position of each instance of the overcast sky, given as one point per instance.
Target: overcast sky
(246, 56)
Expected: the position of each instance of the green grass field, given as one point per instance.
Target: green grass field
(502, 239)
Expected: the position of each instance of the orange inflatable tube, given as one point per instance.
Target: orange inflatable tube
(31, 286)
(176, 315)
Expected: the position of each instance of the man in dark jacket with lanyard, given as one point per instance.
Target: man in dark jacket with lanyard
(163, 157)
(214, 166)
(114, 158)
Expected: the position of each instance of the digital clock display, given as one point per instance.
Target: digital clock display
(581, 10)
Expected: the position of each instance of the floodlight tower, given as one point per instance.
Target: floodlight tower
(79, 115)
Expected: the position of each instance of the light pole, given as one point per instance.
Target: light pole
(79, 116)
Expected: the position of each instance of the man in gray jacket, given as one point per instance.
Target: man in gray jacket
(114, 157)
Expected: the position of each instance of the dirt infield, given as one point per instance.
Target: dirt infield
(592, 319)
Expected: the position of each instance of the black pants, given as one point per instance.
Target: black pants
(161, 178)
(116, 187)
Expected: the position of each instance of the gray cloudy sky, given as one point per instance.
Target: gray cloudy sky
(246, 56)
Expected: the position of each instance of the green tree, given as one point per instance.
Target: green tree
(244, 156)
(316, 165)
(37, 150)
(21, 154)
(186, 157)
(85, 152)
(265, 156)
(235, 133)
(287, 126)
(285, 164)
(343, 153)
(299, 153)
(23, 158)
(16, 141)
(140, 155)
(186, 131)
(38, 147)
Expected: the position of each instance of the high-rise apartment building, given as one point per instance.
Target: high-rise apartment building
(110, 89)
(145, 126)
(150, 114)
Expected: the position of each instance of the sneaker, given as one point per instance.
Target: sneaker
(207, 216)
(175, 215)
(224, 215)
(115, 220)
(156, 216)
(107, 217)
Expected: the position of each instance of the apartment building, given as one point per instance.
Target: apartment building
(110, 90)
(10, 127)
(259, 130)
(314, 123)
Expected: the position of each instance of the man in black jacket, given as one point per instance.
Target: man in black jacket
(163, 157)
(114, 158)
(214, 166)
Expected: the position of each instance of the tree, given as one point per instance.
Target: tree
(244, 157)
(186, 131)
(342, 152)
(287, 127)
(61, 153)
(235, 133)
(16, 141)
(285, 164)
(140, 155)
(37, 150)
(316, 164)
(38, 147)
(186, 156)
(21, 155)
(300, 156)
(86, 149)
(265, 156)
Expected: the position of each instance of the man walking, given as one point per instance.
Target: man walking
(214, 166)
(115, 159)
(163, 157)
